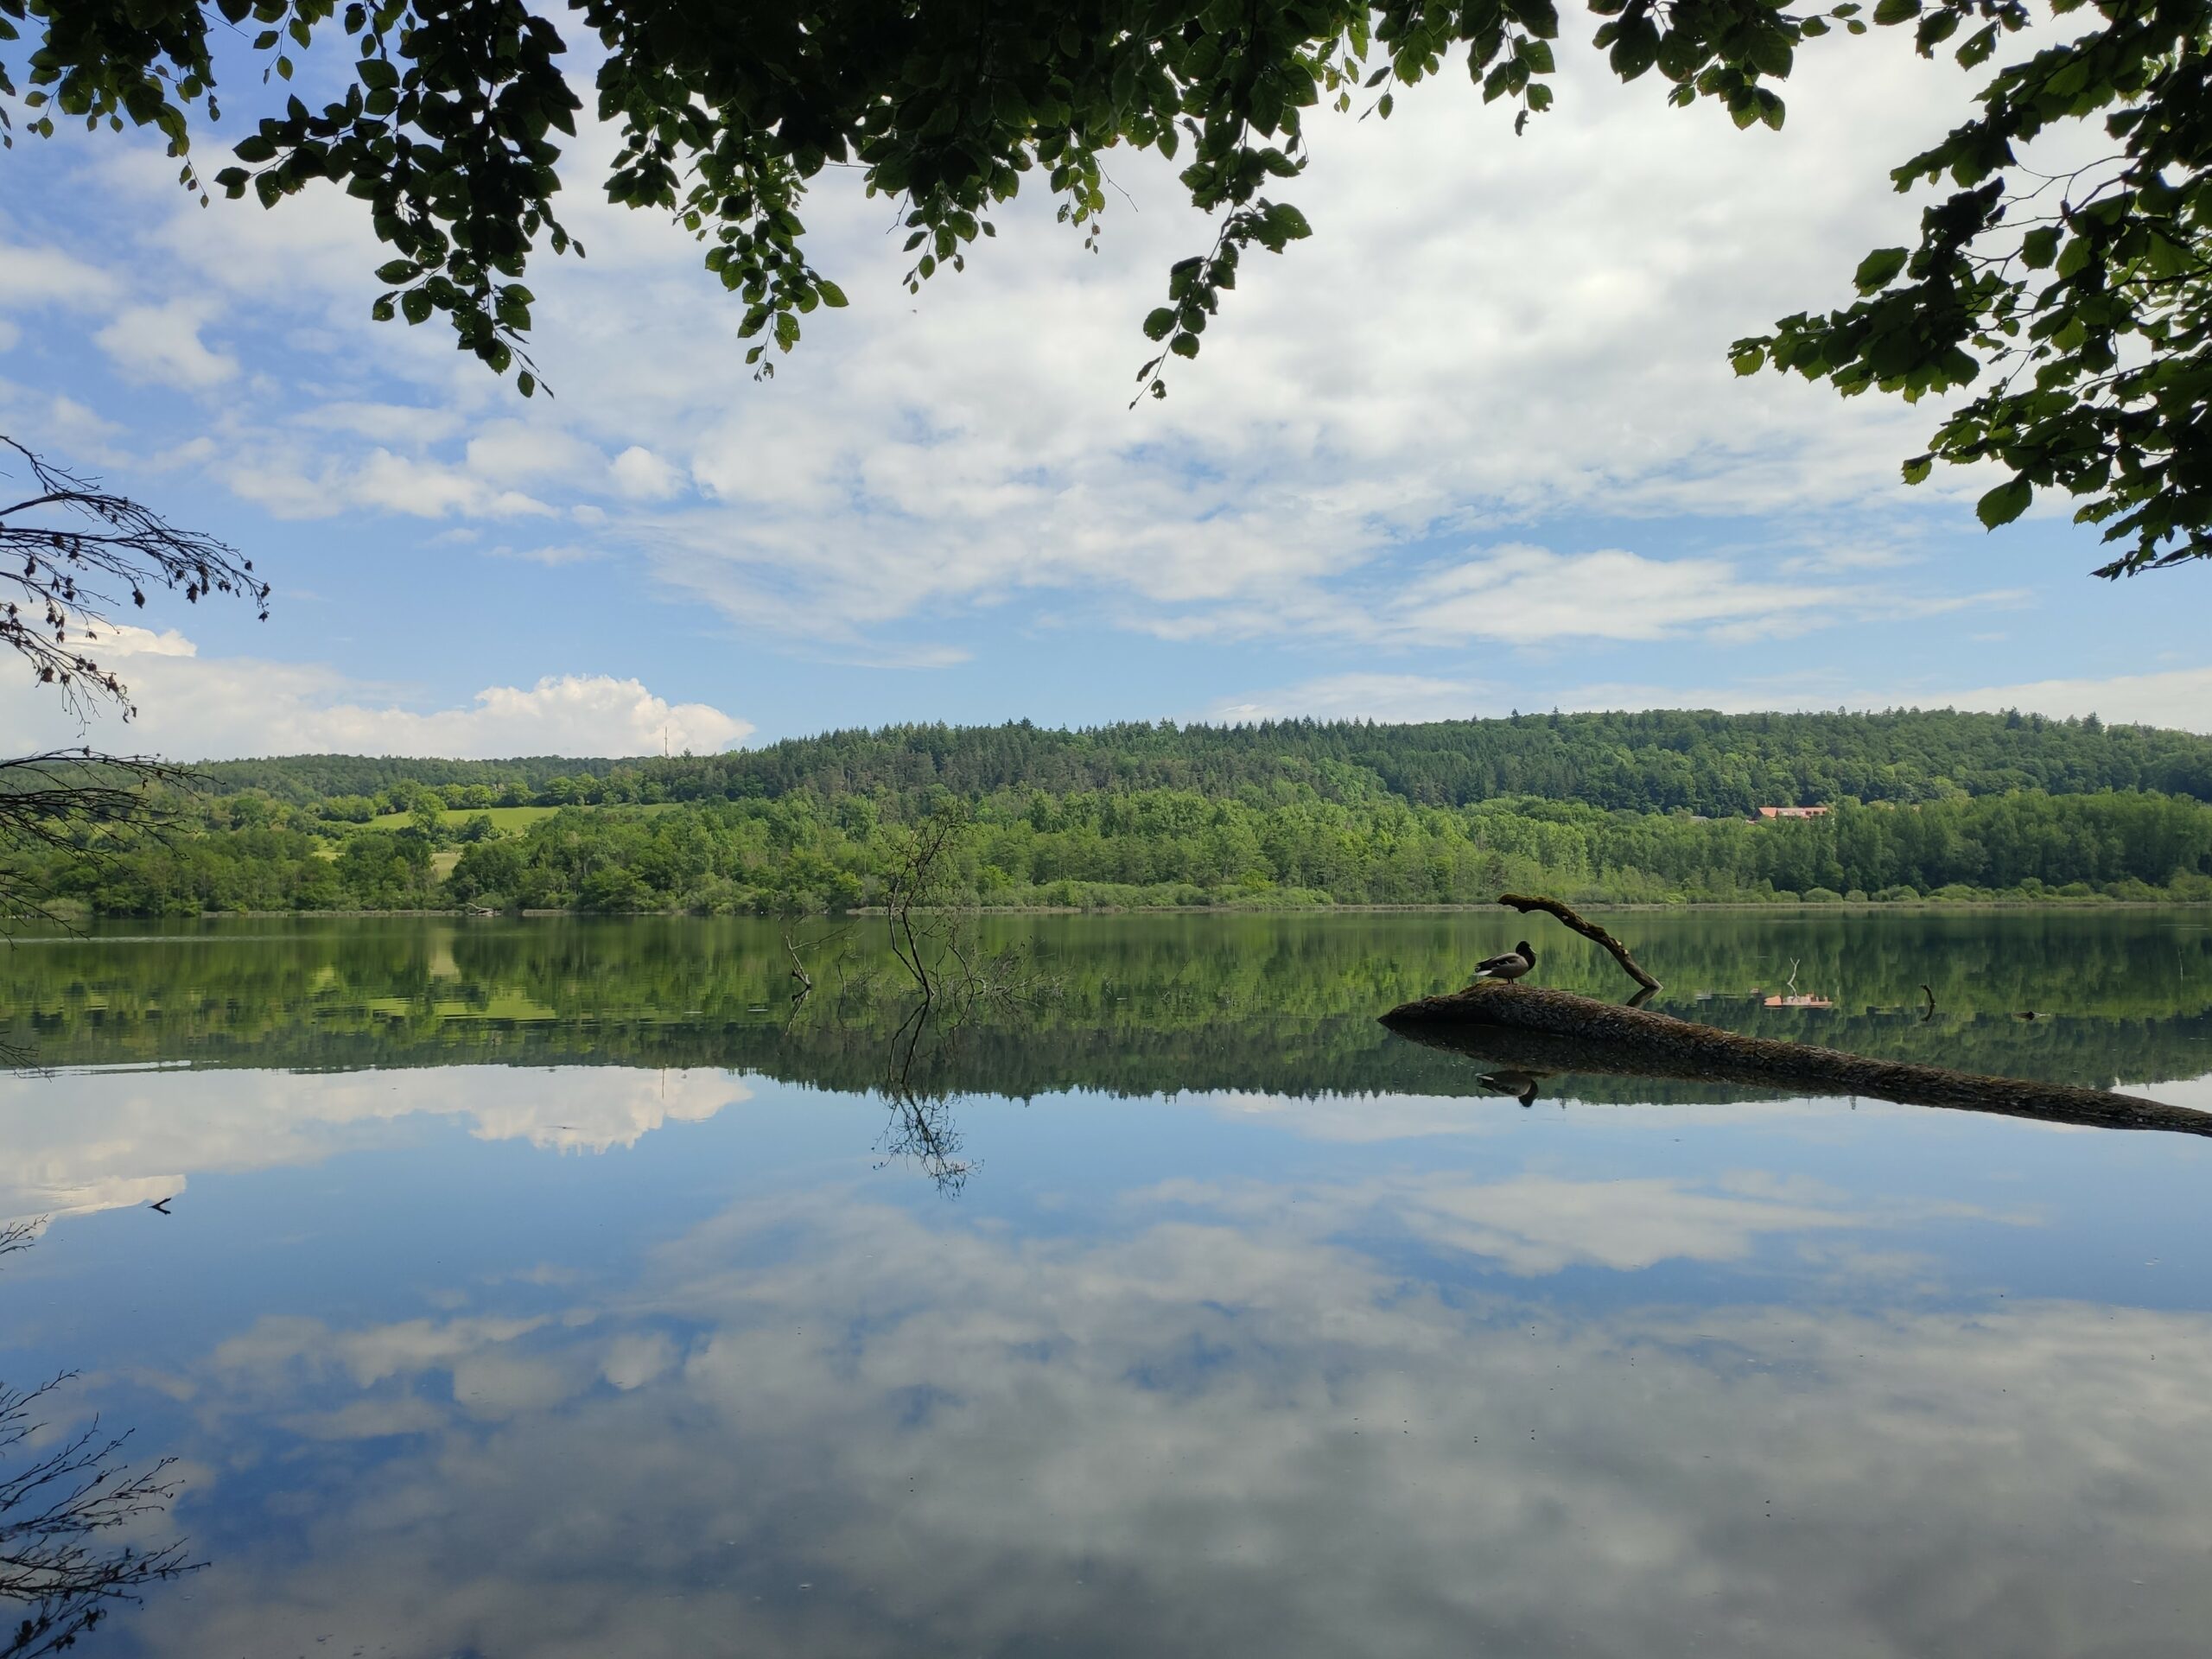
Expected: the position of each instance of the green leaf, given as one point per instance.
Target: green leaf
(2040, 246)
(1160, 323)
(1896, 11)
(1876, 269)
(832, 295)
(2005, 502)
(1636, 51)
(1916, 470)
(1772, 53)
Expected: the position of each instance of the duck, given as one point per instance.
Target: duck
(1514, 963)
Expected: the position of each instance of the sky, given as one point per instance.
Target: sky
(1473, 447)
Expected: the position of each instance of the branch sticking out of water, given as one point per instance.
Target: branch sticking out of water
(1525, 902)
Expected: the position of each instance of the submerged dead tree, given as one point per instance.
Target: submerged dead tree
(59, 1573)
(949, 979)
(1536, 1030)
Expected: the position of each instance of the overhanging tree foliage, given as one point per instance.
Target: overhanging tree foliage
(455, 111)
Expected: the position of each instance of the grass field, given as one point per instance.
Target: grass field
(504, 818)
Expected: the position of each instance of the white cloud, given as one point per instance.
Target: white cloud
(1518, 592)
(1538, 327)
(2180, 699)
(42, 276)
(1484, 333)
(123, 640)
(196, 708)
(386, 423)
(1362, 696)
(2177, 697)
(553, 556)
(644, 476)
(162, 343)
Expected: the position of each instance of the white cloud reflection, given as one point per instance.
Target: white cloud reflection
(130, 1137)
(818, 1424)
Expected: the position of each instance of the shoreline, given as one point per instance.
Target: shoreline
(1960, 906)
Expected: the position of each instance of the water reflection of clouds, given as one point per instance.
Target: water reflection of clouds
(1361, 1118)
(128, 1137)
(1535, 1223)
(1206, 1433)
(2193, 1092)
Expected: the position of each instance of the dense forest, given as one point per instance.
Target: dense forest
(1661, 761)
(1634, 807)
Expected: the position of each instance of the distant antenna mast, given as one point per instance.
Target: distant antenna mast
(663, 740)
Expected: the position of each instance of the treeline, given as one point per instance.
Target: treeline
(806, 852)
(1664, 761)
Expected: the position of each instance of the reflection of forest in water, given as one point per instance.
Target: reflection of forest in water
(1143, 1005)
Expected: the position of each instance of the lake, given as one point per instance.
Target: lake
(560, 1287)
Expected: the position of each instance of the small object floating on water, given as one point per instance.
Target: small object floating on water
(1514, 963)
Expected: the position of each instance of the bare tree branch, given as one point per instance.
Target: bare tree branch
(72, 552)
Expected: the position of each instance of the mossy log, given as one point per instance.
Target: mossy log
(1533, 1028)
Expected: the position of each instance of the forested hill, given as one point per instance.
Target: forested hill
(1699, 761)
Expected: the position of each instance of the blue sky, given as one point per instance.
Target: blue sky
(1475, 447)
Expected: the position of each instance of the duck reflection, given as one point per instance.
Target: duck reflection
(1522, 1085)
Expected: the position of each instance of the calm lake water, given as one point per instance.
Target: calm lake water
(548, 1288)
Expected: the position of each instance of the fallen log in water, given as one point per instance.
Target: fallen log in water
(1529, 1027)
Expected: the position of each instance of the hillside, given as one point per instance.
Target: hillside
(1701, 762)
(1653, 807)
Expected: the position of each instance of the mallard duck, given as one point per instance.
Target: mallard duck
(1514, 963)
